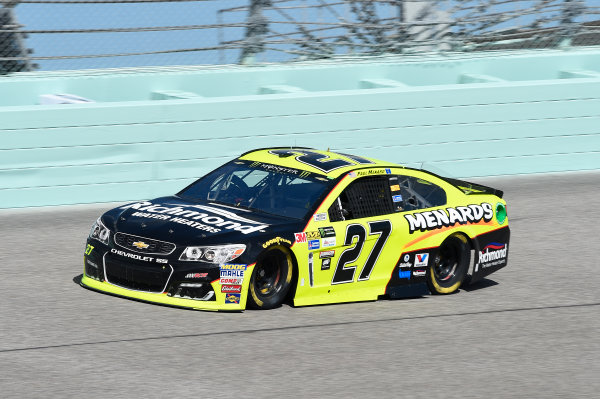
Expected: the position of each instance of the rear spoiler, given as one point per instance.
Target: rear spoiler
(472, 188)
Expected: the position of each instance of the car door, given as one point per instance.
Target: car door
(349, 246)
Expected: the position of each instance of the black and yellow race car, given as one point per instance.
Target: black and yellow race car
(299, 224)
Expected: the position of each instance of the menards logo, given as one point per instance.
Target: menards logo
(438, 218)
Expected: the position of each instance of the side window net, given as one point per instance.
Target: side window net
(419, 194)
(363, 198)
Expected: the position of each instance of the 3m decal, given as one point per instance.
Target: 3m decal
(439, 218)
(327, 231)
(344, 273)
(232, 298)
(231, 289)
(88, 249)
(205, 221)
(314, 244)
(421, 260)
(327, 254)
(276, 241)
(300, 237)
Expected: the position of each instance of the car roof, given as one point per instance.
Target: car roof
(290, 160)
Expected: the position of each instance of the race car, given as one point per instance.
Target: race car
(300, 225)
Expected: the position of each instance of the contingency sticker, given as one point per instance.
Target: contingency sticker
(320, 217)
(328, 242)
(300, 237)
(327, 231)
(231, 289)
(232, 272)
(232, 298)
(421, 260)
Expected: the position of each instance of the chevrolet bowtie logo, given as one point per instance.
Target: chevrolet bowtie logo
(140, 245)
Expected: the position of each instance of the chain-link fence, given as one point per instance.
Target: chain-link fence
(79, 34)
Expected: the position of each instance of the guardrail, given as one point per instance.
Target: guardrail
(151, 132)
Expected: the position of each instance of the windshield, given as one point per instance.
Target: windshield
(260, 186)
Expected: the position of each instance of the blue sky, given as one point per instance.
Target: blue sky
(202, 12)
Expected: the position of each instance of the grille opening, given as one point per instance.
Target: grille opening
(196, 291)
(140, 277)
(91, 270)
(143, 245)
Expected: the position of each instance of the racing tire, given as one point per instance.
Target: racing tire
(450, 266)
(271, 279)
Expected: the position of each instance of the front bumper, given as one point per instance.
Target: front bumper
(164, 299)
(160, 280)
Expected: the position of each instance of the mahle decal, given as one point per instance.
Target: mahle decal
(439, 218)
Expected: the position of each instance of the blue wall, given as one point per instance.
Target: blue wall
(150, 132)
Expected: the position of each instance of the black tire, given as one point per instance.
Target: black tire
(271, 279)
(450, 266)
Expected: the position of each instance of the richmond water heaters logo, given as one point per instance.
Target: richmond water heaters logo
(492, 254)
(210, 220)
(439, 218)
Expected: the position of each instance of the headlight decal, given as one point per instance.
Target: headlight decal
(100, 232)
(218, 254)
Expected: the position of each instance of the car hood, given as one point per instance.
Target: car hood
(185, 222)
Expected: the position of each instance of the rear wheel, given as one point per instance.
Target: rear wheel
(450, 266)
(271, 279)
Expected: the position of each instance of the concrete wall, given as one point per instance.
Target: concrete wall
(153, 131)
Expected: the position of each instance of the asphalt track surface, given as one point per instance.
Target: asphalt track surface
(532, 330)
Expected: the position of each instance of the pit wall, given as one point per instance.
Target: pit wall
(150, 132)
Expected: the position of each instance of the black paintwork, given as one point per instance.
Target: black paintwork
(127, 220)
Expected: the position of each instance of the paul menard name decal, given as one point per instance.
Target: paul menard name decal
(439, 218)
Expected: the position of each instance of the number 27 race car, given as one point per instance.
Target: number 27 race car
(301, 225)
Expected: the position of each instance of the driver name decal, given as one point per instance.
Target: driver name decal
(439, 218)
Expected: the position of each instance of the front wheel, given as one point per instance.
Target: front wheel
(271, 280)
(450, 266)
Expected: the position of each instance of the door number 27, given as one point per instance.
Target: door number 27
(345, 274)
